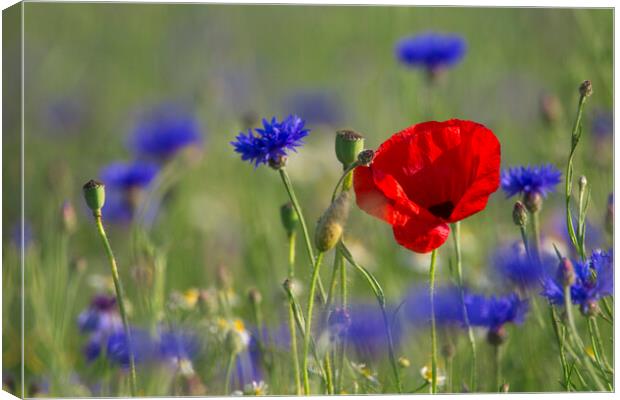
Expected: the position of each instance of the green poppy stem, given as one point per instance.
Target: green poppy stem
(291, 316)
(433, 327)
(308, 327)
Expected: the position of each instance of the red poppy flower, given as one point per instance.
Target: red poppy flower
(427, 176)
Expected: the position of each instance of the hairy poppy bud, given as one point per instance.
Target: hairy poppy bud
(567, 272)
(289, 218)
(330, 225)
(519, 214)
(365, 157)
(94, 194)
(585, 89)
(404, 362)
(496, 336)
(348, 145)
(68, 217)
(533, 202)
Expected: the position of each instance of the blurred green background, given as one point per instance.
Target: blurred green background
(108, 62)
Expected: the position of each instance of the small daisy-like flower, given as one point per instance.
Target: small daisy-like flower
(271, 143)
(494, 312)
(163, 131)
(431, 50)
(365, 372)
(256, 389)
(530, 180)
(427, 375)
(593, 281)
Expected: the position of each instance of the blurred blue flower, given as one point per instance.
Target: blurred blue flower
(100, 320)
(66, 114)
(366, 333)
(117, 347)
(493, 312)
(178, 345)
(248, 365)
(272, 141)
(594, 280)
(448, 306)
(92, 350)
(515, 268)
(16, 234)
(431, 50)
(124, 176)
(602, 123)
(530, 180)
(317, 107)
(163, 131)
(595, 236)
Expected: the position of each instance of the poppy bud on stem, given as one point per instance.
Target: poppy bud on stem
(94, 195)
(348, 145)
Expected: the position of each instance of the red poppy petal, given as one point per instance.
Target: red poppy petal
(372, 200)
(422, 235)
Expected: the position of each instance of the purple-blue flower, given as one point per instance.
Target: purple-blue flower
(594, 280)
(142, 345)
(163, 131)
(448, 306)
(493, 312)
(124, 176)
(530, 180)
(272, 142)
(366, 331)
(100, 320)
(178, 344)
(513, 266)
(317, 107)
(431, 50)
(602, 123)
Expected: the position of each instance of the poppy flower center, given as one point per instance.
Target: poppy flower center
(442, 210)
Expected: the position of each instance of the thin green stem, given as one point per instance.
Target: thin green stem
(291, 316)
(456, 235)
(344, 176)
(536, 232)
(560, 339)
(522, 229)
(498, 367)
(304, 228)
(329, 374)
(431, 277)
(121, 299)
(308, 327)
(229, 369)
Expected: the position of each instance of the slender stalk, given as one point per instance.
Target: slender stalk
(229, 369)
(498, 367)
(304, 228)
(560, 339)
(121, 299)
(456, 235)
(597, 336)
(346, 177)
(523, 231)
(329, 374)
(431, 276)
(308, 327)
(536, 233)
(343, 279)
(291, 315)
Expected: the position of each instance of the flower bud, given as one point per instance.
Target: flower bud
(234, 342)
(330, 226)
(348, 145)
(591, 308)
(254, 296)
(585, 89)
(366, 157)
(505, 388)
(68, 217)
(404, 362)
(609, 215)
(496, 336)
(94, 194)
(519, 214)
(583, 182)
(533, 202)
(278, 163)
(289, 218)
(567, 272)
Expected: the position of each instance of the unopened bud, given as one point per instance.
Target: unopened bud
(234, 342)
(519, 214)
(94, 194)
(585, 89)
(278, 163)
(505, 388)
(289, 218)
(583, 182)
(567, 272)
(68, 217)
(254, 296)
(533, 202)
(404, 362)
(590, 309)
(496, 336)
(330, 226)
(348, 145)
(366, 157)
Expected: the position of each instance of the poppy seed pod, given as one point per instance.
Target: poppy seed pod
(289, 218)
(519, 214)
(348, 145)
(585, 89)
(94, 194)
(330, 226)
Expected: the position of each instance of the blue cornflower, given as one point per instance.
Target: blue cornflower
(125, 176)
(177, 345)
(163, 131)
(317, 107)
(530, 180)
(494, 312)
(593, 280)
(448, 306)
(101, 316)
(431, 50)
(602, 123)
(366, 331)
(16, 234)
(117, 349)
(271, 143)
(514, 266)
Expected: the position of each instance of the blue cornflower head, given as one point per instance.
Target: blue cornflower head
(16, 234)
(177, 345)
(124, 176)
(448, 307)
(494, 312)
(271, 143)
(317, 107)
(593, 281)
(530, 180)
(366, 330)
(101, 316)
(431, 50)
(603, 123)
(117, 347)
(515, 268)
(163, 131)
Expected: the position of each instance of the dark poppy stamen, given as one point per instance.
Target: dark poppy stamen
(442, 210)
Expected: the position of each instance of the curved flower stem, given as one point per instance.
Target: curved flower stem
(291, 315)
(560, 339)
(431, 276)
(304, 228)
(308, 327)
(229, 368)
(523, 231)
(456, 235)
(597, 348)
(536, 231)
(121, 299)
(345, 175)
